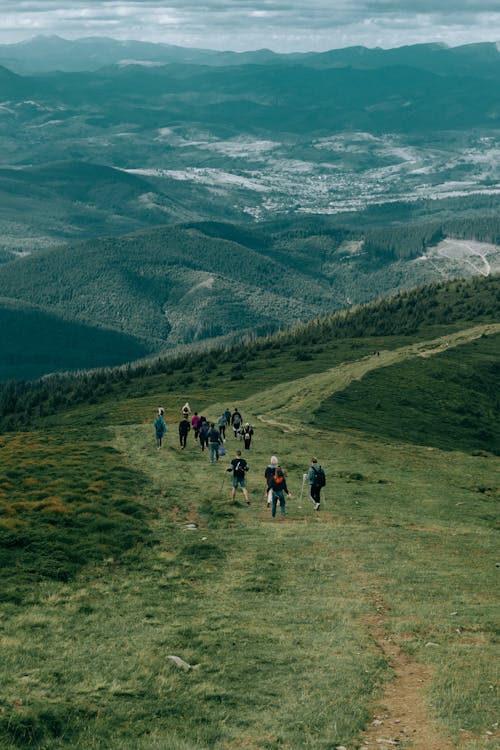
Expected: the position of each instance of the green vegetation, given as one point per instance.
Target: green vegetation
(117, 556)
(318, 345)
(449, 400)
(35, 341)
(149, 292)
(63, 503)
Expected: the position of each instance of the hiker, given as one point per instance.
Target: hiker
(239, 467)
(214, 441)
(277, 485)
(160, 427)
(195, 421)
(236, 420)
(184, 428)
(186, 411)
(269, 472)
(203, 432)
(227, 414)
(222, 426)
(246, 434)
(316, 478)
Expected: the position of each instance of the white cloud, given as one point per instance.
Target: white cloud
(283, 25)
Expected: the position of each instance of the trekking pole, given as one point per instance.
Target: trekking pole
(222, 483)
(304, 477)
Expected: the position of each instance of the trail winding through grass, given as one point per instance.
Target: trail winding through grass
(288, 612)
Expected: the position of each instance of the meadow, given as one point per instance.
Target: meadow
(292, 630)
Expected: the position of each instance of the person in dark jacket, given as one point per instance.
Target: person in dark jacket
(247, 433)
(236, 420)
(214, 441)
(279, 489)
(239, 468)
(184, 428)
(315, 477)
(203, 429)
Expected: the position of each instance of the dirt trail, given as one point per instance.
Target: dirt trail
(290, 402)
(402, 717)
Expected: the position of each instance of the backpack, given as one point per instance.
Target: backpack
(240, 468)
(319, 477)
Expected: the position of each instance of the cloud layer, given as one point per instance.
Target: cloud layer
(281, 25)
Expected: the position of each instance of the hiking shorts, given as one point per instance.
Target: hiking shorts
(239, 481)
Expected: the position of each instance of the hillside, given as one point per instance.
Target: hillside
(142, 608)
(34, 342)
(422, 313)
(214, 281)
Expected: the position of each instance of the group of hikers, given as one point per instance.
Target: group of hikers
(212, 435)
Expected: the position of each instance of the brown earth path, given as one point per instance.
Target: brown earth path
(401, 717)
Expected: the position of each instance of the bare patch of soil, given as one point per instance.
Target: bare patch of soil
(402, 717)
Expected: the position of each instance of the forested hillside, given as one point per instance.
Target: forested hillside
(209, 281)
(314, 346)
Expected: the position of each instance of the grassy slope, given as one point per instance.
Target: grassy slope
(276, 614)
(408, 402)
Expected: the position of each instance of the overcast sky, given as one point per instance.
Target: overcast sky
(280, 25)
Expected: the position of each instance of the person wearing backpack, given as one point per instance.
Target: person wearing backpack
(247, 433)
(222, 425)
(239, 467)
(236, 420)
(279, 489)
(214, 441)
(269, 472)
(317, 479)
(160, 427)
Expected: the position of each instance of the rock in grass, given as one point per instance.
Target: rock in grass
(181, 663)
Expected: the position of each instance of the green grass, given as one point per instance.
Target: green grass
(275, 615)
(63, 503)
(449, 400)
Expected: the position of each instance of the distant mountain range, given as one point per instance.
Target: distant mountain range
(106, 137)
(47, 53)
(167, 195)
